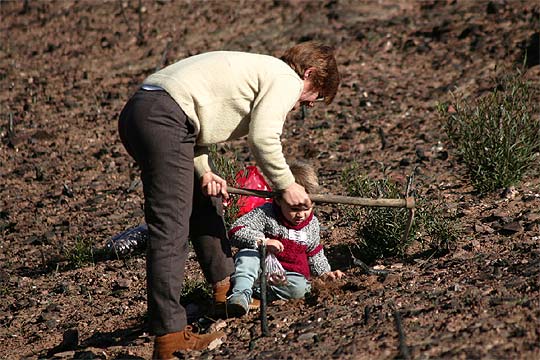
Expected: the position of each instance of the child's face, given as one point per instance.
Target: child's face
(295, 214)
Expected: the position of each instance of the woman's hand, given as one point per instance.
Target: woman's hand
(213, 185)
(333, 275)
(295, 195)
(274, 246)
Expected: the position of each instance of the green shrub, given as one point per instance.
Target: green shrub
(440, 229)
(497, 136)
(227, 167)
(195, 291)
(80, 254)
(4, 290)
(381, 230)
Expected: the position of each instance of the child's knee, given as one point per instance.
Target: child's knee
(298, 293)
(299, 289)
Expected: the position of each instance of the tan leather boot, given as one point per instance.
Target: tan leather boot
(219, 297)
(255, 304)
(220, 290)
(166, 345)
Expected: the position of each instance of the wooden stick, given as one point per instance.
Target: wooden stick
(410, 218)
(124, 16)
(403, 348)
(408, 202)
(140, 34)
(163, 56)
(264, 318)
(366, 268)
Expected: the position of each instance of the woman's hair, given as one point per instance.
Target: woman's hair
(305, 175)
(313, 54)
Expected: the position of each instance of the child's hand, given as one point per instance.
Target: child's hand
(274, 246)
(333, 275)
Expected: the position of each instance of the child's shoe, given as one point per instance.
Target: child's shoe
(165, 346)
(237, 305)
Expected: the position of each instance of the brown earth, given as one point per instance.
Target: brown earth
(66, 69)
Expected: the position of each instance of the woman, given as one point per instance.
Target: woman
(166, 127)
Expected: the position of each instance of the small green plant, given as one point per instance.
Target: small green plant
(80, 254)
(194, 291)
(4, 290)
(441, 230)
(497, 136)
(381, 230)
(227, 167)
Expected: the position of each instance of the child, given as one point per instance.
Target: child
(291, 234)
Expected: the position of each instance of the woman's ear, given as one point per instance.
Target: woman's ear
(308, 72)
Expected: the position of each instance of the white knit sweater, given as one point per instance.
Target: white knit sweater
(301, 242)
(228, 95)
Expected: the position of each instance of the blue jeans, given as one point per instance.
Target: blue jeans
(247, 264)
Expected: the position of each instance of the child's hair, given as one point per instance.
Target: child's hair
(305, 175)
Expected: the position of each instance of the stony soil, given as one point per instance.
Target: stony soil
(67, 68)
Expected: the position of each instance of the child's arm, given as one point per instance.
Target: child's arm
(248, 229)
(318, 263)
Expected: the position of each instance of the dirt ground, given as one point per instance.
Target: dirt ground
(66, 70)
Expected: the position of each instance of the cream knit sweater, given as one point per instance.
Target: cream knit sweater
(228, 95)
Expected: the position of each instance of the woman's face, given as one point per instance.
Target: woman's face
(309, 94)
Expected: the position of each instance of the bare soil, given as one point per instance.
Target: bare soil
(66, 70)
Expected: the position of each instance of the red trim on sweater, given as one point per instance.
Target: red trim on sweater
(315, 251)
(294, 257)
(287, 223)
(234, 230)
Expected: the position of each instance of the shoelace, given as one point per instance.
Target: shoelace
(188, 332)
(245, 292)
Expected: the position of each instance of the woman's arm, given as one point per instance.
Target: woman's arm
(276, 98)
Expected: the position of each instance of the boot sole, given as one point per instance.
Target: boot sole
(255, 304)
(236, 310)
